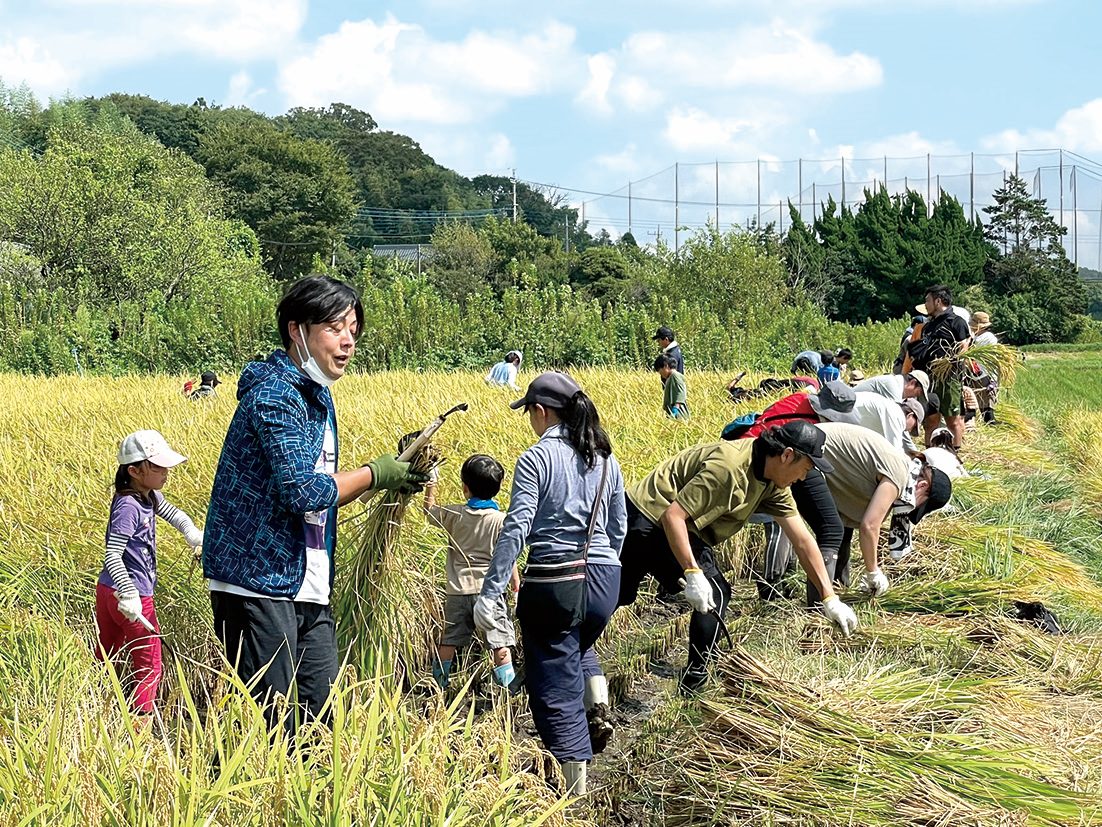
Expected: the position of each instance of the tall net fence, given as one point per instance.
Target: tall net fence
(685, 197)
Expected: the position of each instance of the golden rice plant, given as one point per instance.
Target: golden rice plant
(998, 360)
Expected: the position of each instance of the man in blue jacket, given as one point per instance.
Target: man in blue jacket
(271, 527)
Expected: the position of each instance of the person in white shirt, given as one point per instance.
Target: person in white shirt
(837, 402)
(898, 386)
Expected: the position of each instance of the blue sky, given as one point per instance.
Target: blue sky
(587, 96)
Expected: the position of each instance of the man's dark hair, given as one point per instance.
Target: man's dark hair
(664, 361)
(316, 299)
(482, 474)
(827, 357)
(844, 353)
(942, 292)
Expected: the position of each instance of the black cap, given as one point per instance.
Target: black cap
(209, 378)
(664, 333)
(551, 389)
(941, 489)
(804, 438)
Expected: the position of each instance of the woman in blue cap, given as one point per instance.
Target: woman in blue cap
(567, 506)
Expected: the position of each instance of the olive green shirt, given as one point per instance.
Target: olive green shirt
(716, 486)
(861, 458)
(673, 392)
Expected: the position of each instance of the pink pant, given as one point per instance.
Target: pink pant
(129, 643)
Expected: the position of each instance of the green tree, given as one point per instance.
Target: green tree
(295, 193)
(1034, 291)
(462, 261)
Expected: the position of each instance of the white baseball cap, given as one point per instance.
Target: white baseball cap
(148, 445)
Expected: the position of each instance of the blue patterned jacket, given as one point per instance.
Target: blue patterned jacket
(254, 535)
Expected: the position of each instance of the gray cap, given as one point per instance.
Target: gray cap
(913, 406)
(551, 389)
(835, 402)
(923, 379)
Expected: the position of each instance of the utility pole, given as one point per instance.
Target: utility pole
(759, 193)
(514, 195)
(1061, 188)
(676, 206)
(780, 214)
(800, 184)
(843, 182)
(717, 194)
(1074, 217)
(972, 186)
(814, 205)
(929, 197)
(885, 173)
(629, 209)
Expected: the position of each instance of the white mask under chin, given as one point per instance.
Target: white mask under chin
(311, 367)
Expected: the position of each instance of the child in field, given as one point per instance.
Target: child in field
(675, 401)
(829, 372)
(124, 591)
(473, 529)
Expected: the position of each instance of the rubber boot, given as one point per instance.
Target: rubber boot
(574, 774)
(597, 713)
(440, 671)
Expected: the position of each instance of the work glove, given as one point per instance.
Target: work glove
(130, 606)
(840, 615)
(197, 554)
(698, 590)
(387, 473)
(875, 582)
(485, 613)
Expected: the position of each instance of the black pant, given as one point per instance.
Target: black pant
(286, 644)
(816, 506)
(646, 551)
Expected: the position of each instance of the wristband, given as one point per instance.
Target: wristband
(692, 571)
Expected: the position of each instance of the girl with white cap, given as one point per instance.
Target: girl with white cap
(125, 614)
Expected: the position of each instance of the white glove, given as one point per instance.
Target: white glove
(197, 553)
(130, 606)
(485, 613)
(874, 582)
(698, 591)
(840, 615)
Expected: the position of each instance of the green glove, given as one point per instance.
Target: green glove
(390, 474)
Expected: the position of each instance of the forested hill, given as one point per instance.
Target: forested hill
(313, 181)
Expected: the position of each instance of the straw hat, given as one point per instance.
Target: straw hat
(980, 321)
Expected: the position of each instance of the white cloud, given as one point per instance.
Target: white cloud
(777, 56)
(1078, 129)
(24, 60)
(625, 162)
(595, 92)
(399, 73)
(689, 129)
(240, 91)
(70, 40)
(500, 153)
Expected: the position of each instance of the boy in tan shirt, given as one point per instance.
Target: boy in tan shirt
(473, 528)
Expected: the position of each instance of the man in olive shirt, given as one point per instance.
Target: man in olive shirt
(703, 496)
(872, 479)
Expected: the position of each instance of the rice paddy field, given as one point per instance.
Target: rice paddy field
(943, 709)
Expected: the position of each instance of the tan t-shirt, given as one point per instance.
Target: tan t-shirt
(715, 484)
(472, 535)
(861, 458)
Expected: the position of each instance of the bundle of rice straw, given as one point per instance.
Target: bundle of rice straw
(388, 605)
